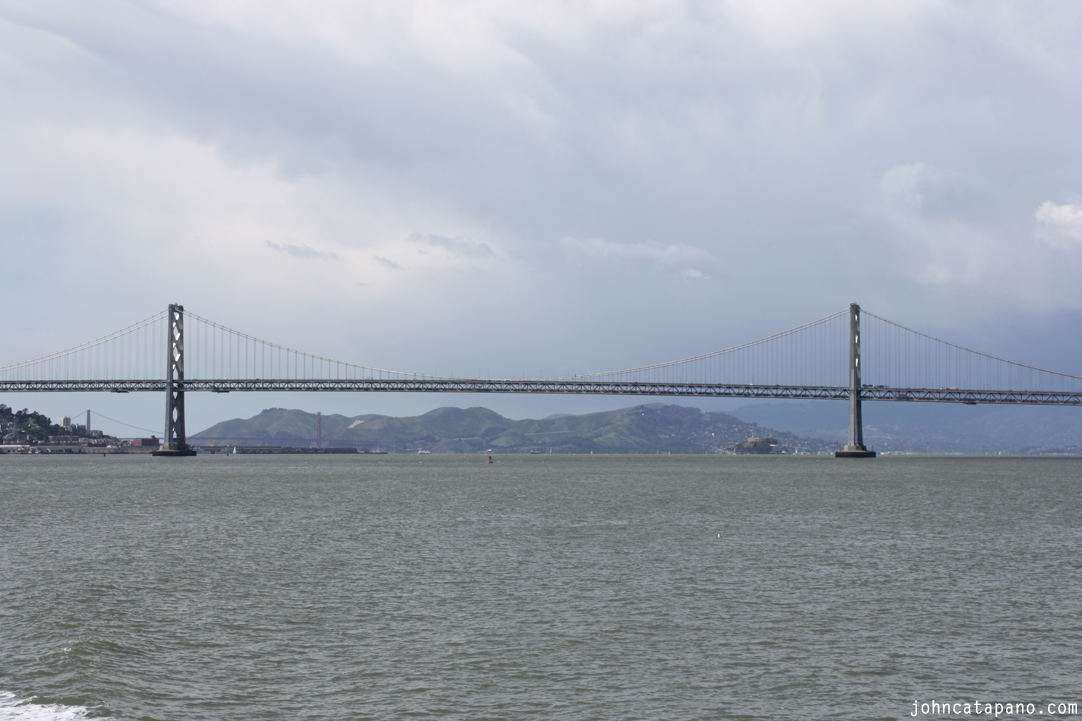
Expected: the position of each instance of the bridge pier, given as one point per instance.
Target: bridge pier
(854, 448)
(175, 441)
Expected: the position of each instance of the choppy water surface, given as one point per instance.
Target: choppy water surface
(551, 587)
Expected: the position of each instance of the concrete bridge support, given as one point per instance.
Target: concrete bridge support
(854, 448)
(175, 441)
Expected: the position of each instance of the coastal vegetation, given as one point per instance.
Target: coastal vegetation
(26, 425)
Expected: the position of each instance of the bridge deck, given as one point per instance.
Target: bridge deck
(470, 385)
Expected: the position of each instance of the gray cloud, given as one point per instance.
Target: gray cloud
(301, 251)
(798, 157)
(387, 263)
(456, 245)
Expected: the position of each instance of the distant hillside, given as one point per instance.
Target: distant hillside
(652, 428)
(935, 428)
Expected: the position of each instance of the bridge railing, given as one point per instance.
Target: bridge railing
(136, 352)
(811, 356)
(895, 356)
(213, 350)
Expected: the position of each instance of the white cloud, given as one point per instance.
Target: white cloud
(1060, 222)
(946, 232)
(924, 187)
(650, 251)
(903, 183)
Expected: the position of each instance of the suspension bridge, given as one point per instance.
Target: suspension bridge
(829, 358)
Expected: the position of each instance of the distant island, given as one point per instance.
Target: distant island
(650, 428)
(758, 447)
(811, 428)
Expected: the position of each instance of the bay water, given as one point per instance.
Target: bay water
(548, 587)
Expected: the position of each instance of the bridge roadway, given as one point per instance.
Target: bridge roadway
(612, 388)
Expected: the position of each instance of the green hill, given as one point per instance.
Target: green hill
(651, 428)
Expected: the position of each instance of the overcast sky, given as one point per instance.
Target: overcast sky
(543, 187)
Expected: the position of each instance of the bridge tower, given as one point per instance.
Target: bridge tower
(854, 448)
(175, 442)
